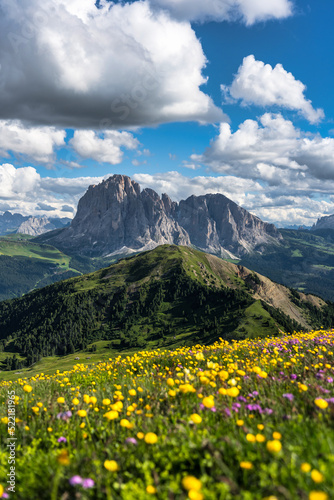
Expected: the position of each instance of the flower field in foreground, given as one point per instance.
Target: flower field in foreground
(247, 420)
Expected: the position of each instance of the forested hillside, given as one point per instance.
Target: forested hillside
(167, 296)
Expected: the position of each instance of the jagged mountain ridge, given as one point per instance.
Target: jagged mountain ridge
(326, 222)
(9, 222)
(116, 216)
(35, 226)
(29, 224)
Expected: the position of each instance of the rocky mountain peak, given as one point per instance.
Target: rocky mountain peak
(115, 216)
(325, 222)
(34, 226)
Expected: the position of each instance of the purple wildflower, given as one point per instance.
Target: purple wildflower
(213, 409)
(288, 396)
(293, 376)
(88, 483)
(64, 415)
(330, 380)
(62, 439)
(254, 407)
(242, 398)
(228, 412)
(75, 480)
(131, 440)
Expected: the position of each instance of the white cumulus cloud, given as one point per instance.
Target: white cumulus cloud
(249, 11)
(38, 143)
(72, 64)
(295, 170)
(23, 190)
(179, 187)
(261, 84)
(259, 148)
(17, 182)
(104, 147)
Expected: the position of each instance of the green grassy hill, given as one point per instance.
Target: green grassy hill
(25, 265)
(304, 260)
(170, 296)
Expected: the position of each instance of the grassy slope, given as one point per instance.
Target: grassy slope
(25, 265)
(14, 248)
(260, 445)
(186, 317)
(304, 261)
(50, 364)
(200, 267)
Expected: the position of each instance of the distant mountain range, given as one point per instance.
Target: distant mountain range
(116, 217)
(31, 225)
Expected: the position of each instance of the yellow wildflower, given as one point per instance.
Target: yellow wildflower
(111, 415)
(191, 483)
(274, 446)
(197, 419)
(125, 423)
(208, 402)
(250, 437)
(246, 465)
(321, 403)
(151, 489)
(318, 495)
(317, 476)
(151, 438)
(111, 465)
(63, 458)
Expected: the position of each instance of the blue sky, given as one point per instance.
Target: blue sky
(185, 97)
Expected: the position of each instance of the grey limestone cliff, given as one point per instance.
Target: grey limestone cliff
(326, 222)
(35, 226)
(117, 217)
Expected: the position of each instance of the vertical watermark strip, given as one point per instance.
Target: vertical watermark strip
(11, 442)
